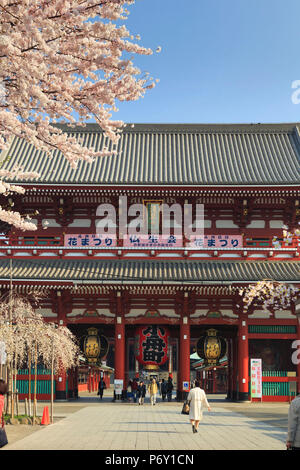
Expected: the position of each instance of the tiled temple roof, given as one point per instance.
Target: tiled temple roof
(154, 272)
(175, 155)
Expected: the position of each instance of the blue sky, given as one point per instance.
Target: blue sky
(221, 61)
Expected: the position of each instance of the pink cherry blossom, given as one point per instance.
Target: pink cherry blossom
(64, 61)
(271, 294)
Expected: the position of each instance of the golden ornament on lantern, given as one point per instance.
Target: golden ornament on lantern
(92, 346)
(211, 347)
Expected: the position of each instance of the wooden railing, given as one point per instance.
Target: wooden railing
(53, 245)
(58, 240)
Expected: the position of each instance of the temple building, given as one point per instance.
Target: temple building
(165, 305)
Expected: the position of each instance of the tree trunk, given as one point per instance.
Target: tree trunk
(52, 382)
(35, 383)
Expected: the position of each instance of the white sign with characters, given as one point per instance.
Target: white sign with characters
(118, 386)
(256, 378)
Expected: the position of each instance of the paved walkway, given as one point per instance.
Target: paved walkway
(128, 426)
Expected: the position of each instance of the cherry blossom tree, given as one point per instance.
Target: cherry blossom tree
(60, 352)
(271, 294)
(19, 324)
(64, 62)
(287, 237)
(29, 339)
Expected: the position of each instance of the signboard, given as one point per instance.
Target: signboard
(106, 240)
(256, 378)
(216, 241)
(90, 240)
(153, 241)
(186, 386)
(118, 383)
(293, 387)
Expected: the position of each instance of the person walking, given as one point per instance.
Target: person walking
(134, 387)
(293, 437)
(196, 398)
(163, 389)
(3, 391)
(141, 392)
(101, 388)
(169, 388)
(152, 389)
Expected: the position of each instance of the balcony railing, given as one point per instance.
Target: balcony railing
(58, 240)
(52, 245)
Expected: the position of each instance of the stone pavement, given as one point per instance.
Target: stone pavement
(95, 425)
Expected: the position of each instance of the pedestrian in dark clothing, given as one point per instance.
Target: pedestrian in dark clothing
(134, 387)
(169, 389)
(101, 388)
(163, 389)
(141, 392)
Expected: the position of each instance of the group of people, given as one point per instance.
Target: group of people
(196, 399)
(138, 390)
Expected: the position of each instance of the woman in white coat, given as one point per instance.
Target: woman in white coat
(196, 398)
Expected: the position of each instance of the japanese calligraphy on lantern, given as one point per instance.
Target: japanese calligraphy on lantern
(89, 240)
(152, 345)
(216, 241)
(256, 378)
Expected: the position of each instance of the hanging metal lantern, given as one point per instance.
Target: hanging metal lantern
(152, 346)
(92, 346)
(104, 343)
(211, 347)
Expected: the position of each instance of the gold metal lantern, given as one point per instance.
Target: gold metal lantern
(211, 347)
(92, 346)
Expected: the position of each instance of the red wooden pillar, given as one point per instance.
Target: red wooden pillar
(61, 386)
(184, 351)
(234, 369)
(93, 380)
(214, 375)
(243, 358)
(120, 343)
(61, 377)
(127, 378)
(76, 382)
(229, 369)
(89, 382)
(71, 383)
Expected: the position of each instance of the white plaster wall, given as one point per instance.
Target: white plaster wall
(256, 224)
(276, 223)
(163, 312)
(79, 312)
(284, 314)
(80, 223)
(226, 224)
(51, 223)
(260, 314)
(46, 312)
(229, 313)
(199, 313)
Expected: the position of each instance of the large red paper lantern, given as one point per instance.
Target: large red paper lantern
(152, 346)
